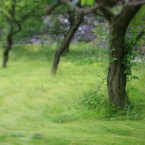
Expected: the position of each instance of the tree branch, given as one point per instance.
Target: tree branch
(98, 14)
(30, 14)
(135, 3)
(127, 13)
(19, 28)
(85, 10)
(49, 9)
(107, 13)
(140, 34)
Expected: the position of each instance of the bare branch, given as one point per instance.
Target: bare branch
(85, 10)
(138, 37)
(49, 9)
(127, 14)
(107, 13)
(98, 14)
(135, 3)
(19, 28)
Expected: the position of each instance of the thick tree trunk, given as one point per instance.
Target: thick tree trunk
(6, 51)
(65, 43)
(116, 79)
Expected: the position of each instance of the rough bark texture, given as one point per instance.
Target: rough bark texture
(116, 79)
(65, 44)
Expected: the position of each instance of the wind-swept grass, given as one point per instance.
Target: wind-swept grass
(36, 109)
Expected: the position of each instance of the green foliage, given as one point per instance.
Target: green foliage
(113, 59)
(137, 103)
(102, 35)
(16, 14)
(93, 100)
(137, 25)
(28, 29)
(88, 2)
(83, 2)
(130, 56)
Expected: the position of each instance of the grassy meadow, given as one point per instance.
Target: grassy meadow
(71, 108)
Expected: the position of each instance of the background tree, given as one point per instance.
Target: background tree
(75, 21)
(13, 13)
(75, 18)
(65, 44)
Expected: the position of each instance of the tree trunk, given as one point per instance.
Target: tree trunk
(116, 79)
(6, 51)
(71, 20)
(66, 42)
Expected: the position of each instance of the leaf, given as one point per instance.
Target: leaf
(88, 2)
(112, 50)
(135, 77)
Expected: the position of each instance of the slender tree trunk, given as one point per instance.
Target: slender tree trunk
(6, 51)
(71, 20)
(9, 39)
(66, 42)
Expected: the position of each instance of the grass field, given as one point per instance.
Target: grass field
(71, 108)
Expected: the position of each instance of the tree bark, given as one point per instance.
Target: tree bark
(71, 20)
(116, 79)
(6, 51)
(65, 44)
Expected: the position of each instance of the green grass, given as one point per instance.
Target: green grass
(36, 109)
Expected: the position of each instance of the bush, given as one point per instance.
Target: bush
(93, 100)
